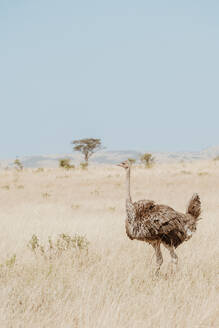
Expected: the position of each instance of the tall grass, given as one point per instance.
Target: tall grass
(108, 282)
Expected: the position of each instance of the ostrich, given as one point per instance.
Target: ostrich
(159, 224)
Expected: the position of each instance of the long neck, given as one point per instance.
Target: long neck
(130, 208)
(128, 194)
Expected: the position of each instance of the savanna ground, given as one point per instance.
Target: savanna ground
(110, 282)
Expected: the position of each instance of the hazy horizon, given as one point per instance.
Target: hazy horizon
(140, 151)
(140, 76)
(108, 150)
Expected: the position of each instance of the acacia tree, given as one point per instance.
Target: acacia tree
(87, 147)
(18, 164)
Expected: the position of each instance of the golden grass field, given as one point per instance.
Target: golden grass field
(113, 283)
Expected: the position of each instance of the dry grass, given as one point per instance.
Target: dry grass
(111, 285)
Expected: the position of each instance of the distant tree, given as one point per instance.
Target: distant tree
(132, 160)
(147, 159)
(87, 147)
(65, 163)
(18, 165)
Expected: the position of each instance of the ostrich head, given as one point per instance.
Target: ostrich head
(126, 165)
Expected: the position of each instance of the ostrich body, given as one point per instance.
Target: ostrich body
(159, 224)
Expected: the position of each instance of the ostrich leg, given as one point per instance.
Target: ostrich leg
(159, 257)
(173, 255)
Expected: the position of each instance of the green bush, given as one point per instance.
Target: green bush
(147, 159)
(132, 160)
(83, 165)
(59, 245)
(65, 163)
(39, 170)
(18, 165)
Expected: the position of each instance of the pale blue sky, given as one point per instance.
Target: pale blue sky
(141, 75)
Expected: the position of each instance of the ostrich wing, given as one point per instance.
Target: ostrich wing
(159, 222)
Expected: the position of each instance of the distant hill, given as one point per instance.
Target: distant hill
(111, 157)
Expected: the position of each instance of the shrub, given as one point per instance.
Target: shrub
(18, 165)
(65, 242)
(65, 163)
(45, 195)
(132, 160)
(59, 245)
(147, 159)
(34, 244)
(6, 187)
(11, 261)
(186, 172)
(83, 165)
(20, 187)
(39, 170)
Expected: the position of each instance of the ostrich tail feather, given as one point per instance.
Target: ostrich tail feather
(194, 207)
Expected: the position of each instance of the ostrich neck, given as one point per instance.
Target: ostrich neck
(130, 209)
(128, 193)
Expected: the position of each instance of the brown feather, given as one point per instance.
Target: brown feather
(159, 222)
(194, 207)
